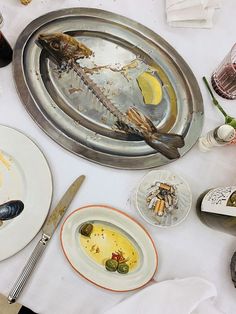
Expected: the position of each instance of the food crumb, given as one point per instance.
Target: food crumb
(93, 248)
(73, 90)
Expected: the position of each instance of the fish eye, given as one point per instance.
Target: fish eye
(55, 45)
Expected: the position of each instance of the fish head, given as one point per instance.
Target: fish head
(63, 48)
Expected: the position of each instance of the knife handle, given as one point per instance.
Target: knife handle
(28, 269)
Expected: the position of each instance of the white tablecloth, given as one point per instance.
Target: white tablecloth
(190, 249)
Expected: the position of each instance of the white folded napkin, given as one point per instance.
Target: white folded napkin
(191, 13)
(180, 296)
(183, 4)
(205, 22)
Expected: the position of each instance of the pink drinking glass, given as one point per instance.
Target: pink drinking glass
(224, 77)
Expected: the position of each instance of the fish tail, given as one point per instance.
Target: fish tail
(152, 136)
(140, 120)
(175, 140)
(146, 125)
(166, 149)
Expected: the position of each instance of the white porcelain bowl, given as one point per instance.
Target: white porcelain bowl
(183, 192)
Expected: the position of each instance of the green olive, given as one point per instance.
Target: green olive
(111, 265)
(232, 200)
(123, 268)
(86, 229)
(233, 197)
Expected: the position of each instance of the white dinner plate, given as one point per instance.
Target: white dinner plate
(96, 273)
(25, 176)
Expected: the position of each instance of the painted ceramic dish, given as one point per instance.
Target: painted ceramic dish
(106, 241)
(24, 177)
(163, 198)
(113, 232)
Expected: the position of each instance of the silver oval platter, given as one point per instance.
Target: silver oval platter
(123, 49)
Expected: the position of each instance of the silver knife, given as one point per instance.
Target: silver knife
(48, 229)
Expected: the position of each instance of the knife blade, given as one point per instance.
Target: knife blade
(48, 229)
(54, 218)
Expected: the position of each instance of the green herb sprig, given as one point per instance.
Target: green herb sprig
(228, 119)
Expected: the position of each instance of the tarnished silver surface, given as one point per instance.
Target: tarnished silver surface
(67, 111)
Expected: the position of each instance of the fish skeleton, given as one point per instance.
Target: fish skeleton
(64, 50)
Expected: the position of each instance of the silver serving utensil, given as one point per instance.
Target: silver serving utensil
(48, 229)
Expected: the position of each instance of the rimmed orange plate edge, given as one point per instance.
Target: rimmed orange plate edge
(122, 213)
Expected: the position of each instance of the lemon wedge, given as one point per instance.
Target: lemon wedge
(150, 87)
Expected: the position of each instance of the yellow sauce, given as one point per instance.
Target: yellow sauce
(6, 164)
(4, 161)
(104, 241)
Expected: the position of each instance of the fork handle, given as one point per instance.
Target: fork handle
(28, 269)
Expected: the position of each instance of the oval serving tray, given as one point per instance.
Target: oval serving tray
(96, 273)
(63, 107)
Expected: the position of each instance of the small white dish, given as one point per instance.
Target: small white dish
(24, 176)
(183, 193)
(96, 272)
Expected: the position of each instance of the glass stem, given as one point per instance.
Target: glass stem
(215, 102)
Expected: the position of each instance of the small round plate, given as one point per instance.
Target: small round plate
(25, 176)
(97, 273)
(183, 193)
